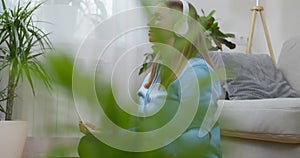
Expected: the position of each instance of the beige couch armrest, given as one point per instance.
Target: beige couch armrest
(266, 119)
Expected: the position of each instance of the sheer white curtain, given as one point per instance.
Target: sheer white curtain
(71, 22)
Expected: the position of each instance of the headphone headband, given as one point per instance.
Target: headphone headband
(185, 7)
(181, 27)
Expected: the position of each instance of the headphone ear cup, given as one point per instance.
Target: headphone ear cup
(181, 27)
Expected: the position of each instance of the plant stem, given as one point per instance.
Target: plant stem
(11, 96)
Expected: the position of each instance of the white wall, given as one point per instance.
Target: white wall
(235, 16)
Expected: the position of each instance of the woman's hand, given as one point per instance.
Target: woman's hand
(84, 127)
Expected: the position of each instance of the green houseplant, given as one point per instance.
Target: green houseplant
(21, 44)
(2, 99)
(213, 32)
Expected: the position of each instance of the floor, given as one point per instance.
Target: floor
(51, 147)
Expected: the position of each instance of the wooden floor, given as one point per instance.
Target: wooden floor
(58, 147)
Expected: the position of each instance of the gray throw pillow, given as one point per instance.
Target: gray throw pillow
(253, 76)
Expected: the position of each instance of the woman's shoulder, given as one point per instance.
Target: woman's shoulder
(198, 62)
(198, 66)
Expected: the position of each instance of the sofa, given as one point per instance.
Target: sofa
(265, 127)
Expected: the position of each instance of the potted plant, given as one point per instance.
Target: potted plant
(22, 42)
(213, 33)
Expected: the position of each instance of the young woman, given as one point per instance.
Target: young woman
(181, 76)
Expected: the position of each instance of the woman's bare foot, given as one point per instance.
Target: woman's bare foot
(84, 127)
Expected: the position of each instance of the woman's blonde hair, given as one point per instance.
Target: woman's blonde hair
(189, 45)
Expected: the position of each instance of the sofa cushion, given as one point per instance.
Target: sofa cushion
(217, 60)
(252, 76)
(264, 119)
(288, 62)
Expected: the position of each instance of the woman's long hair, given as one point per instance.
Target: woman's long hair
(189, 48)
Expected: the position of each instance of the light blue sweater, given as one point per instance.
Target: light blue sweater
(197, 86)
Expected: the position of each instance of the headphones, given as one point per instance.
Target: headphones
(181, 27)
